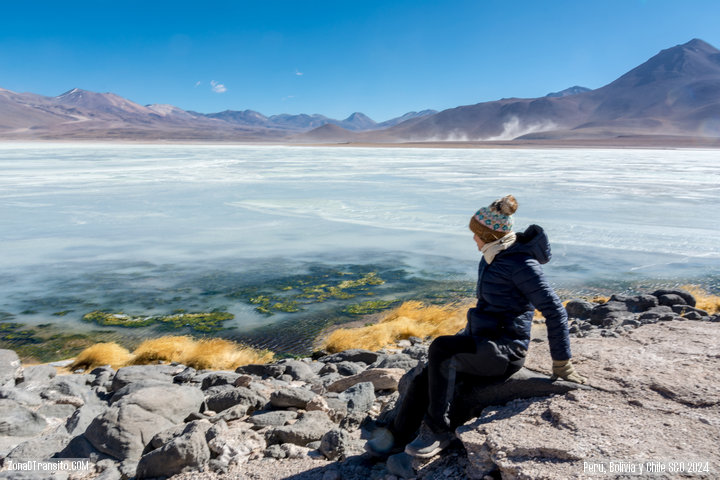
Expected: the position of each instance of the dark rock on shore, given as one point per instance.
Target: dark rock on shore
(674, 297)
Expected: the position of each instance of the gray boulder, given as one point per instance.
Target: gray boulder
(120, 393)
(311, 426)
(687, 297)
(188, 451)
(328, 368)
(655, 314)
(685, 309)
(123, 430)
(298, 370)
(609, 314)
(10, 368)
(262, 370)
(73, 389)
(237, 396)
(144, 373)
(166, 436)
(186, 376)
(219, 378)
(641, 303)
(18, 421)
(578, 308)
(218, 389)
(37, 374)
(272, 419)
(399, 360)
(353, 355)
(359, 397)
(291, 397)
(346, 368)
(692, 315)
(338, 444)
(418, 352)
(23, 397)
(670, 299)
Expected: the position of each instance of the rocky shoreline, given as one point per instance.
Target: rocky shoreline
(653, 364)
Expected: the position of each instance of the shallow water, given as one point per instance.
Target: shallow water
(153, 229)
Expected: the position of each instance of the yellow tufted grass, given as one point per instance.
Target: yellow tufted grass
(221, 354)
(704, 300)
(212, 354)
(102, 354)
(411, 319)
(167, 349)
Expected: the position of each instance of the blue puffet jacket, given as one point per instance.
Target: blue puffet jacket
(509, 290)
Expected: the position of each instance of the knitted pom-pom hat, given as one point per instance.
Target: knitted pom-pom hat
(494, 221)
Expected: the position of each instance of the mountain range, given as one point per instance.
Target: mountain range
(676, 93)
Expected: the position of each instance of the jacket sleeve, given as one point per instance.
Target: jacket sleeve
(530, 280)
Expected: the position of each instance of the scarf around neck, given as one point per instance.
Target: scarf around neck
(489, 250)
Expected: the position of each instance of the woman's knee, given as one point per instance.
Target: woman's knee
(438, 346)
(445, 346)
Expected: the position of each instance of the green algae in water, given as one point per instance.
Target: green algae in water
(369, 306)
(117, 319)
(199, 322)
(48, 344)
(13, 333)
(293, 294)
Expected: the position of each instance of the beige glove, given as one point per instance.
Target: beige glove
(565, 370)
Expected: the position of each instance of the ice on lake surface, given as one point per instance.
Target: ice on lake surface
(146, 229)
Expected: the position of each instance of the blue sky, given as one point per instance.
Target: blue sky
(383, 58)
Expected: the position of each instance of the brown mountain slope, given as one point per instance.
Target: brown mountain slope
(676, 92)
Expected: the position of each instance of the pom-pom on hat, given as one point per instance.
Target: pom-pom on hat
(494, 221)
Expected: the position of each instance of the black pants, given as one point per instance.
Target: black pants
(450, 358)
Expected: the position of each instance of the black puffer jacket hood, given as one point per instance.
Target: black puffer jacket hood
(533, 242)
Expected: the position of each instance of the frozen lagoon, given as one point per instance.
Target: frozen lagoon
(148, 229)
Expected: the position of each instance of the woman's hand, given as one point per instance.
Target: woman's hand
(565, 370)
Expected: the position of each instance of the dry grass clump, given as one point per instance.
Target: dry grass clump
(411, 319)
(167, 349)
(212, 353)
(102, 354)
(221, 354)
(704, 300)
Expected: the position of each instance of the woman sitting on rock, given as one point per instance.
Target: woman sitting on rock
(495, 340)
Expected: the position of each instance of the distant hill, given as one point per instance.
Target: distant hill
(675, 94)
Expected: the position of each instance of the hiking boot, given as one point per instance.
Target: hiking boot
(382, 443)
(428, 443)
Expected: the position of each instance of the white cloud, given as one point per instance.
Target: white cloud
(289, 97)
(217, 87)
(198, 83)
(298, 73)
